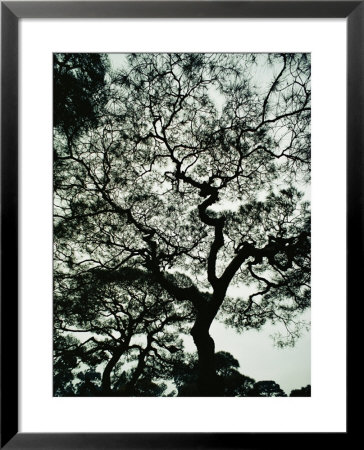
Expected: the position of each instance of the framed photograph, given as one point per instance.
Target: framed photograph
(165, 178)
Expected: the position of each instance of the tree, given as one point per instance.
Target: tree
(267, 389)
(79, 89)
(303, 392)
(231, 382)
(129, 324)
(194, 177)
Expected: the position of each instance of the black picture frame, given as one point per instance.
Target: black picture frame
(11, 12)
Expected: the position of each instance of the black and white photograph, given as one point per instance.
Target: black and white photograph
(181, 224)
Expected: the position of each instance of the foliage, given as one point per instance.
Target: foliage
(79, 90)
(267, 389)
(234, 384)
(175, 179)
(303, 392)
(123, 318)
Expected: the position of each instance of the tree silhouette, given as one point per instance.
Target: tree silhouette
(126, 319)
(303, 392)
(267, 389)
(79, 91)
(191, 175)
(231, 382)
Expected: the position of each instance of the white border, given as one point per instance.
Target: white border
(325, 410)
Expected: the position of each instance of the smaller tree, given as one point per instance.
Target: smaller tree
(232, 382)
(303, 392)
(267, 389)
(129, 329)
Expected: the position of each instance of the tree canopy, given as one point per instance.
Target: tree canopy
(303, 392)
(179, 181)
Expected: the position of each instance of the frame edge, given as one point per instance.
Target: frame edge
(10, 438)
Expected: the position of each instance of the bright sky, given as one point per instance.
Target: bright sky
(255, 350)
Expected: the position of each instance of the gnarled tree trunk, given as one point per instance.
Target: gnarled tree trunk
(208, 383)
